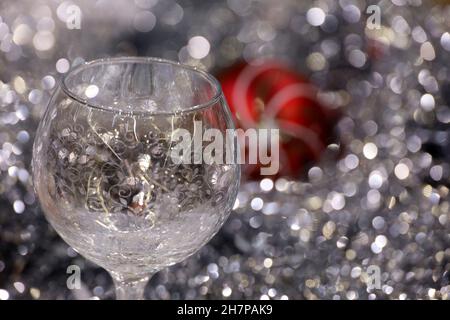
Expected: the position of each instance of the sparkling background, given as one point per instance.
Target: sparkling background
(384, 202)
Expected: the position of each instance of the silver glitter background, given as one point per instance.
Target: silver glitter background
(384, 202)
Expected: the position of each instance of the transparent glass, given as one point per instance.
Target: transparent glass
(106, 176)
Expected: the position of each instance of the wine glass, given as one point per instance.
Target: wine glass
(108, 178)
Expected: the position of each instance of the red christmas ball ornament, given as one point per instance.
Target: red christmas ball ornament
(270, 95)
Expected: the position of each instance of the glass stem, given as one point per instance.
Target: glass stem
(130, 289)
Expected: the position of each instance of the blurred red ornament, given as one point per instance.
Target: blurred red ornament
(270, 95)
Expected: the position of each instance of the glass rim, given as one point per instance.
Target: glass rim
(111, 60)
